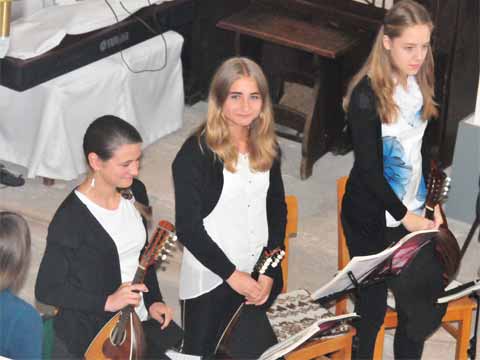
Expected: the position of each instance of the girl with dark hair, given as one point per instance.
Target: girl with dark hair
(229, 200)
(20, 324)
(388, 104)
(93, 247)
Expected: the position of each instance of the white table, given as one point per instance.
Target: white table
(42, 128)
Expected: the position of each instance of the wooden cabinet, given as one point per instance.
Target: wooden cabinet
(208, 46)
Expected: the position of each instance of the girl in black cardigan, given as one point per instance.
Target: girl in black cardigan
(230, 204)
(388, 104)
(93, 247)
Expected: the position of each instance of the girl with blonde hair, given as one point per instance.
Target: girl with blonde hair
(388, 104)
(230, 205)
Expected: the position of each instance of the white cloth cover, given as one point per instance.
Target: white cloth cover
(43, 30)
(42, 128)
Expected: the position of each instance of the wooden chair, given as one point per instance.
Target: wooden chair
(47, 312)
(459, 311)
(340, 347)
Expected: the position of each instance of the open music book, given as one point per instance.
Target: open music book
(456, 290)
(363, 270)
(295, 318)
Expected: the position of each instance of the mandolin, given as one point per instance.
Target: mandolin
(122, 336)
(445, 243)
(269, 258)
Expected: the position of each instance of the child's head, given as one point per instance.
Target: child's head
(14, 248)
(401, 49)
(404, 40)
(227, 74)
(239, 97)
(230, 71)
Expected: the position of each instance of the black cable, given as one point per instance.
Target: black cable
(147, 27)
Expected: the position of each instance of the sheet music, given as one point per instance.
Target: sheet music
(299, 338)
(362, 266)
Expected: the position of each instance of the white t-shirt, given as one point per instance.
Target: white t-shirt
(238, 225)
(402, 143)
(125, 227)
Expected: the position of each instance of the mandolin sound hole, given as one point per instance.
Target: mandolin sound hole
(118, 336)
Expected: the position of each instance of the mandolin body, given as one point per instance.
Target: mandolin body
(122, 336)
(445, 243)
(131, 347)
(447, 251)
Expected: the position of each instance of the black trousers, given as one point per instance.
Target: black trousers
(415, 290)
(205, 317)
(157, 341)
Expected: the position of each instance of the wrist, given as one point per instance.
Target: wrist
(232, 276)
(107, 304)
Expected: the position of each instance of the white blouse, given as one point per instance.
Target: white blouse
(402, 143)
(129, 240)
(238, 225)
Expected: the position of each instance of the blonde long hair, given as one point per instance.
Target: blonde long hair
(262, 141)
(379, 66)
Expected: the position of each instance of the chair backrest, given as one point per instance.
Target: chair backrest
(290, 231)
(343, 254)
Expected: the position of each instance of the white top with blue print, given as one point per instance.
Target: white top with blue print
(402, 143)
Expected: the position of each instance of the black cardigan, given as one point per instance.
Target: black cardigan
(368, 193)
(198, 181)
(80, 268)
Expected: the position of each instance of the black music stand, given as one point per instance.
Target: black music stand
(472, 351)
(476, 222)
(473, 228)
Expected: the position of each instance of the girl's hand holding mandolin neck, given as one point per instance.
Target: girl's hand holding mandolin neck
(126, 294)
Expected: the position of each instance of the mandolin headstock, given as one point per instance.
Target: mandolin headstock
(269, 258)
(159, 245)
(438, 186)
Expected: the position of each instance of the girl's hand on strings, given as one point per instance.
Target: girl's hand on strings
(414, 222)
(161, 312)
